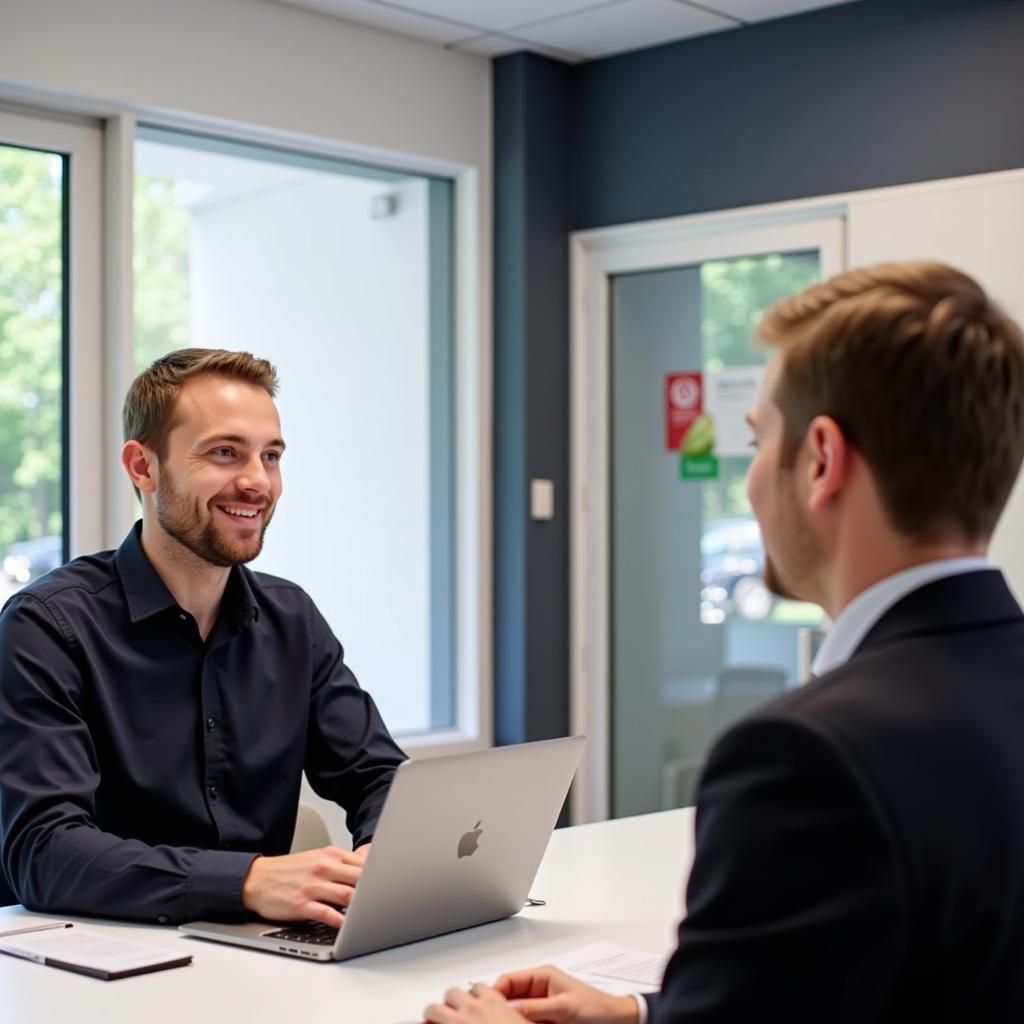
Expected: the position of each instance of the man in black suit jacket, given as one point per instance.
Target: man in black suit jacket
(860, 841)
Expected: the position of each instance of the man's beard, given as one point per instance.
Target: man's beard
(787, 575)
(774, 582)
(182, 520)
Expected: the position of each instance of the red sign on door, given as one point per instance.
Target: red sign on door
(684, 402)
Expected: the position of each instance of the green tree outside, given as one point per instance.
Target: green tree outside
(735, 293)
(31, 284)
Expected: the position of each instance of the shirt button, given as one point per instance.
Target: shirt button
(162, 919)
(213, 792)
(210, 725)
(183, 617)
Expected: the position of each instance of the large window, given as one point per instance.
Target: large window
(340, 275)
(49, 325)
(31, 363)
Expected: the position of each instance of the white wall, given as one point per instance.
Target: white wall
(255, 62)
(976, 224)
(302, 275)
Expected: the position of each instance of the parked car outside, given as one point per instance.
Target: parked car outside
(732, 567)
(27, 559)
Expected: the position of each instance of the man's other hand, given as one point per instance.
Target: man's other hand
(307, 886)
(537, 994)
(480, 1005)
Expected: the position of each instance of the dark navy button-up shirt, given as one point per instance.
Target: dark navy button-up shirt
(141, 769)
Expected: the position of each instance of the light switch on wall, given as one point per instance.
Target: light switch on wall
(542, 499)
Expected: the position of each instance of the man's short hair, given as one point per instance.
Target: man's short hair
(924, 374)
(148, 414)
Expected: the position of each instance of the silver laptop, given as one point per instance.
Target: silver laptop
(458, 844)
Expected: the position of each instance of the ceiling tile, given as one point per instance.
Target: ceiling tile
(764, 10)
(498, 45)
(568, 30)
(390, 18)
(626, 25)
(497, 14)
(489, 46)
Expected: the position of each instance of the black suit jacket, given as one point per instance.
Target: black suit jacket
(860, 841)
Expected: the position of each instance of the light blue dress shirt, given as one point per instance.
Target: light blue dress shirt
(854, 621)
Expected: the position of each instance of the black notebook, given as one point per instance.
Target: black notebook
(61, 944)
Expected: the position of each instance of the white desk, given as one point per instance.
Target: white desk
(618, 881)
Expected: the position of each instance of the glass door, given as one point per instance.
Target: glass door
(696, 638)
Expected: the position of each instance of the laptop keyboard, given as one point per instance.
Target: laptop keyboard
(309, 931)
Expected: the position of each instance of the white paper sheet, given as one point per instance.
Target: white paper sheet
(618, 970)
(729, 395)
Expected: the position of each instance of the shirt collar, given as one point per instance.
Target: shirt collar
(147, 594)
(857, 618)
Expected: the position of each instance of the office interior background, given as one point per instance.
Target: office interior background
(475, 238)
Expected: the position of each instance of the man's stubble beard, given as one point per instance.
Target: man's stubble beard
(787, 577)
(774, 582)
(181, 520)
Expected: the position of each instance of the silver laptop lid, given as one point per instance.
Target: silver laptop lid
(458, 843)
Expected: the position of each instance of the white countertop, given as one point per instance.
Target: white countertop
(617, 881)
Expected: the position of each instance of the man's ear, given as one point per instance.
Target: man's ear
(828, 461)
(140, 463)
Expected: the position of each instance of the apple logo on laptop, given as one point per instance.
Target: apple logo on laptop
(468, 843)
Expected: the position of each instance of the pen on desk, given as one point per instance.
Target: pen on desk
(37, 928)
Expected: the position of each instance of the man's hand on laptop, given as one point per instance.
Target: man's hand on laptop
(538, 994)
(307, 886)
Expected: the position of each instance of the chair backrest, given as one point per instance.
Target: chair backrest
(310, 831)
(742, 689)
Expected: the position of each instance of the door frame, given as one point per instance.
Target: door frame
(595, 257)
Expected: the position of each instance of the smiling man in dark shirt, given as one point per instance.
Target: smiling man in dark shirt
(159, 703)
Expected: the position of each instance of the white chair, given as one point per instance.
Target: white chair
(738, 691)
(310, 831)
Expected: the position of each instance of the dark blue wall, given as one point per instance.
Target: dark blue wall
(879, 92)
(531, 381)
(867, 94)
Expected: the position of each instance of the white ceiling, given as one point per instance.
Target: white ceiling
(570, 30)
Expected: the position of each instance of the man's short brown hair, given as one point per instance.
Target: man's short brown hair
(924, 374)
(148, 414)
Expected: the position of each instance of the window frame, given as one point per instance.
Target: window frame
(80, 141)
